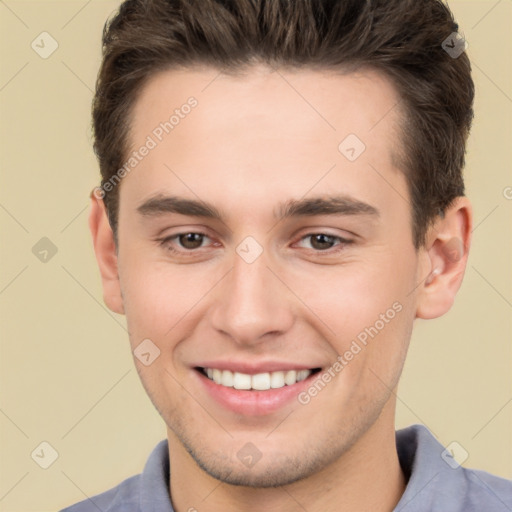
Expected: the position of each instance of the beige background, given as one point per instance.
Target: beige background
(67, 375)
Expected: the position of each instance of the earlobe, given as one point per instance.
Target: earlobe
(106, 255)
(447, 252)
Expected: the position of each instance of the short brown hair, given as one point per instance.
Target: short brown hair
(400, 38)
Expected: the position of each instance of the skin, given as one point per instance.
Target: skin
(252, 143)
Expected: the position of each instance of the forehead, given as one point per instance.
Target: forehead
(307, 103)
(246, 131)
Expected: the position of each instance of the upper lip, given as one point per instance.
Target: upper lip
(252, 368)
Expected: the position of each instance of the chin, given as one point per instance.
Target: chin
(265, 476)
(272, 469)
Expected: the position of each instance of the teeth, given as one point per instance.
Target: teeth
(276, 380)
(227, 378)
(241, 381)
(302, 374)
(259, 381)
(290, 377)
(217, 376)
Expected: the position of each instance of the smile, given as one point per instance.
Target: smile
(258, 381)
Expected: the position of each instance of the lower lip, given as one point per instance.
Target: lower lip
(252, 402)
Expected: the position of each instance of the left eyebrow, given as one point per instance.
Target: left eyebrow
(331, 205)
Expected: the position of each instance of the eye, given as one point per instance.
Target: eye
(191, 240)
(323, 242)
(186, 241)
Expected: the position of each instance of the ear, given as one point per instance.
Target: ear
(106, 254)
(445, 258)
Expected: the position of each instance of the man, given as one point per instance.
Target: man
(281, 198)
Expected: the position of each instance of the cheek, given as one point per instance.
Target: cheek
(350, 297)
(162, 298)
(365, 311)
(157, 296)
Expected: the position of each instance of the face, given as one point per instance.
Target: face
(259, 247)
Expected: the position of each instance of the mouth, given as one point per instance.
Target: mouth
(254, 394)
(256, 382)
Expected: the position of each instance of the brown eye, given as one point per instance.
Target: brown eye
(324, 243)
(191, 240)
(321, 241)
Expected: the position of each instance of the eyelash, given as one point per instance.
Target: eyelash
(166, 243)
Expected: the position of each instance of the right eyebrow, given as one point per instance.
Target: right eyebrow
(160, 205)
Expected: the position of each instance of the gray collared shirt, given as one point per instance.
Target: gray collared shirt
(436, 483)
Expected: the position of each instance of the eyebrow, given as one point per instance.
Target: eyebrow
(330, 205)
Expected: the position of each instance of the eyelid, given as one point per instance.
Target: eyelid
(166, 242)
(168, 239)
(342, 241)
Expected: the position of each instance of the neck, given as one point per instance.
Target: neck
(367, 477)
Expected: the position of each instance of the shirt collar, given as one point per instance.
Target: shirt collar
(432, 476)
(154, 489)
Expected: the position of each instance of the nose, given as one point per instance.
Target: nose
(252, 303)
